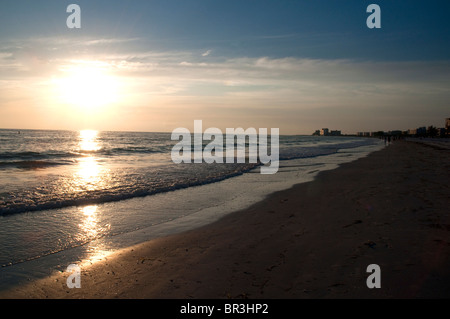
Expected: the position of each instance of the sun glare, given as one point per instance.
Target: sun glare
(88, 85)
(88, 140)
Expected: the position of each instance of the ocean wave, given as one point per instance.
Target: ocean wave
(134, 150)
(32, 156)
(34, 164)
(22, 155)
(295, 152)
(32, 203)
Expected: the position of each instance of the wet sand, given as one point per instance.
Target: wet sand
(314, 240)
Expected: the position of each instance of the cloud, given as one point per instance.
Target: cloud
(280, 87)
(309, 77)
(208, 52)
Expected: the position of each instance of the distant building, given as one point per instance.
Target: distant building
(447, 126)
(421, 131)
(335, 133)
(365, 134)
(327, 132)
(396, 132)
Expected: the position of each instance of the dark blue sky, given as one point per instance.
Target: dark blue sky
(411, 30)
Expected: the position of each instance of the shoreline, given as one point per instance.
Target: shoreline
(313, 240)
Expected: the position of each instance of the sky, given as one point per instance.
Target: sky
(156, 65)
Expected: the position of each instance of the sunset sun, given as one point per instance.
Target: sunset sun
(87, 85)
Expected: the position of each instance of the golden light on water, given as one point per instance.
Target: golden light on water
(88, 172)
(89, 226)
(90, 230)
(89, 175)
(88, 140)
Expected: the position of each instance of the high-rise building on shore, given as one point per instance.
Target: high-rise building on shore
(327, 132)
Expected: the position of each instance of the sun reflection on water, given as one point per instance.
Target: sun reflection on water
(89, 175)
(89, 226)
(88, 140)
(92, 231)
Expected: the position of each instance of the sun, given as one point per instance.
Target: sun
(87, 85)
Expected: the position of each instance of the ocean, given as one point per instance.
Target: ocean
(71, 196)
